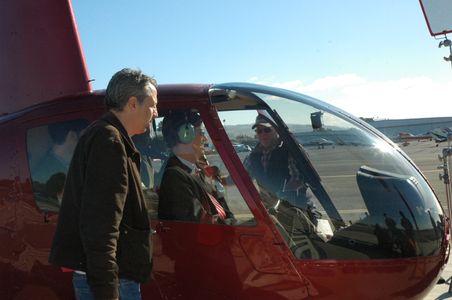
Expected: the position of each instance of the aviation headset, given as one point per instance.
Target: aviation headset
(179, 127)
(186, 133)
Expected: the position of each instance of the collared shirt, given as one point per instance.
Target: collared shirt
(193, 168)
(266, 155)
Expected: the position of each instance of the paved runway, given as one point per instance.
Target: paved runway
(425, 155)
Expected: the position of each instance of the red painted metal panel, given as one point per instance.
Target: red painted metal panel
(205, 261)
(41, 57)
(410, 278)
(26, 258)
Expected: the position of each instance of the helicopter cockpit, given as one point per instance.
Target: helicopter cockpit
(338, 189)
(328, 200)
(351, 193)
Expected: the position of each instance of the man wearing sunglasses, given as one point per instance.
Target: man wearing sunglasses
(269, 162)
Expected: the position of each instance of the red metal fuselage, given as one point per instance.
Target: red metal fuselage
(254, 261)
(44, 80)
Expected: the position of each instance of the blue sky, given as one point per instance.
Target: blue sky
(371, 58)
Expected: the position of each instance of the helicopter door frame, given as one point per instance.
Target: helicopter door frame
(207, 260)
(226, 92)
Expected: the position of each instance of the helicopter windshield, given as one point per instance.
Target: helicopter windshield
(334, 188)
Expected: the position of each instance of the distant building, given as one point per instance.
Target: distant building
(332, 137)
(392, 128)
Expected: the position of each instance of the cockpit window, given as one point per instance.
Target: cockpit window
(334, 189)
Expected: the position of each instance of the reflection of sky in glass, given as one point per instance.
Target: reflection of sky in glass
(383, 146)
(238, 117)
(290, 111)
(293, 112)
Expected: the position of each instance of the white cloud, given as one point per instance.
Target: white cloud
(410, 97)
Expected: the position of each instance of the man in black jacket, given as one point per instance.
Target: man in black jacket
(103, 231)
(269, 162)
(273, 167)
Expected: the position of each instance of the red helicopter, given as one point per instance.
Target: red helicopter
(360, 221)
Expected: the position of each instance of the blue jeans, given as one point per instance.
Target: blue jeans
(128, 289)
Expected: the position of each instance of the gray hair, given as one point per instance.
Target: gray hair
(125, 84)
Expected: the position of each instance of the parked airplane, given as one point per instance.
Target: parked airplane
(242, 148)
(319, 142)
(441, 134)
(406, 136)
(360, 223)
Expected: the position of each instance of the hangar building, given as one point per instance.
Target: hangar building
(391, 128)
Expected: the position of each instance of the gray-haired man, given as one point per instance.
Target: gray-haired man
(103, 210)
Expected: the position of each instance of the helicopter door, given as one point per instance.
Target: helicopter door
(209, 259)
(43, 171)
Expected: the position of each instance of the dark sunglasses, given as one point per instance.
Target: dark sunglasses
(261, 130)
(200, 131)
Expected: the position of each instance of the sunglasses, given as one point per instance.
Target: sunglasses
(261, 130)
(200, 131)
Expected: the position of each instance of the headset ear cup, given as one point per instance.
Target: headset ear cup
(186, 133)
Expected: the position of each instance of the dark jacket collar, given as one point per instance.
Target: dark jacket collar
(110, 118)
(259, 148)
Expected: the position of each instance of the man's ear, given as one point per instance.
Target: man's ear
(132, 103)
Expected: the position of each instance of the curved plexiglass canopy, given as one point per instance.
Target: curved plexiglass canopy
(351, 193)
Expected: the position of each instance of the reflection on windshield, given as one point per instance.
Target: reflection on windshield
(395, 224)
(333, 189)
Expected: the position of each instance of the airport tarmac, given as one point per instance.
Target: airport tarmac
(441, 291)
(425, 155)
